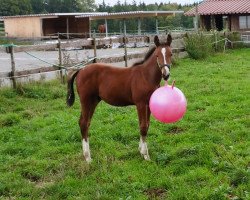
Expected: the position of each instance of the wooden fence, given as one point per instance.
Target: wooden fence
(15, 76)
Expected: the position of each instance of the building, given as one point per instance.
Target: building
(46, 25)
(69, 24)
(233, 15)
(137, 15)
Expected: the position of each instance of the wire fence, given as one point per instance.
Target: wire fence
(25, 63)
(54, 58)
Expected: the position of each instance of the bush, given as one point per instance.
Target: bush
(235, 37)
(199, 46)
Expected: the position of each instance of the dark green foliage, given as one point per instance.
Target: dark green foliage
(38, 6)
(23, 7)
(235, 36)
(202, 45)
(199, 46)
(15, 7)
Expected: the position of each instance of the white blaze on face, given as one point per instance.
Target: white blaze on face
(163, 51)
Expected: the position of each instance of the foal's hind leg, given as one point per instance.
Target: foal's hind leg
(144, 116)
(88, 108)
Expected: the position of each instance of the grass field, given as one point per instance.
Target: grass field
(204, 156)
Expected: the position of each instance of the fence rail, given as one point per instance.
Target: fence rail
(59, 46)
(245, 37)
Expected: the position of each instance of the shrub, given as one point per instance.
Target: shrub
(235, 37)
(198, 46)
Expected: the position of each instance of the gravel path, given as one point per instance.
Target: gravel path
(24, 61)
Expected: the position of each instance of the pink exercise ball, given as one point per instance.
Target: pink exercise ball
(168, 104)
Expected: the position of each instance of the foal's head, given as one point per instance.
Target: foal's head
(163, 55)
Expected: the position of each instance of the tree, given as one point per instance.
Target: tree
(67, 6)
(134, 6)
(38, 6)
(15, 7)
(86, 5)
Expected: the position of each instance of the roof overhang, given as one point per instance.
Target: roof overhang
(132, 14)
(52, 15)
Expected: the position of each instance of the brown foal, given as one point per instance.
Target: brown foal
(121, 87)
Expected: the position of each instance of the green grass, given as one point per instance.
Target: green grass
(204, 156)
(5, 40)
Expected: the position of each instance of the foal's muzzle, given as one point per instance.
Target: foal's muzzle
(165, 77)
(165, 71)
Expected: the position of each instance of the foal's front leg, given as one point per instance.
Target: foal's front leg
(144, 116)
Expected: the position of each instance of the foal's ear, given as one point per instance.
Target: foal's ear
(169, 40)
(157, 41)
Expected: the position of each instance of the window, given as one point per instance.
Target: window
(244, 22)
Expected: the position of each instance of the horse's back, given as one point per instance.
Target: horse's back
(99, 71)
(111, 84)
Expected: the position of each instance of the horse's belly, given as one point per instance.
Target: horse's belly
(116, 98)
(118, 103)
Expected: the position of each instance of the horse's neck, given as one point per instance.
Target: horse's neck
(152, 70)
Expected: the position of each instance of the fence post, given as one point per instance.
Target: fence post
(125, 50)
(60, 60)
(216, 42)
(225, 45)
(125, 43)
(94, 43)
(13, 66)
(196, 20)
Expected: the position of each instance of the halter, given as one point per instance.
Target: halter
(162, 65)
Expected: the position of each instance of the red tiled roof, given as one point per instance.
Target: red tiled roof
(215, 7)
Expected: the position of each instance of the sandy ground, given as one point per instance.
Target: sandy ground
(24, 61)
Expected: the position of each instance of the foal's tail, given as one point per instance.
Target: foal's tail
(71, 95)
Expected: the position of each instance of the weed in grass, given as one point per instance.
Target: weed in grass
(185, 152)
(240, 176)
(222, 192)
(27, 114)
(163, 159)
(175, 129)
(9, 119)
(156, 193)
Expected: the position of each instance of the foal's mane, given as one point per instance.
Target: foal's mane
(148, 54)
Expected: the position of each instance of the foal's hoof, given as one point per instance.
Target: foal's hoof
(88, 160)
(146, 157)
(144, 153)
(87, 157)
